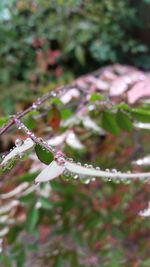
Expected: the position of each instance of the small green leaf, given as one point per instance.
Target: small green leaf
(32, 219)
(55, 101)
(43, 155)
(58, 261)
(46, 204)
(3, 121)
(122, 106)
(123, 121)
(109, 123)
(65, 114)
(29, 123)
(96, 97)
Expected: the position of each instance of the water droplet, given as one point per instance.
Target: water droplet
(79, 163)
(114, 170)
(86, 165)
(87, 181)
(18, 142)
(34, 106)
(70, 159)
(105, 179)
(20, 155)
(107, 170)
(66, 176)
(53, 94)
(127, 181)
(76, 177)
(90, 166)
(60, 160)
(29, 133)
(116, 181)
(98, 168)
(93, 179)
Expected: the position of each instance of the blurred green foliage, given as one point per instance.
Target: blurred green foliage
(47, 41)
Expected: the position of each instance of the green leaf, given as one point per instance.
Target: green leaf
(3, 121)
(122, 106)
(79, 53)
(123, 121)
(13, 233)
(146, 263)
(58, 261)
(32, 219)
(109, 123)
(5, 261)
(65, 114)
(20, 259)
(46, 204)
(29, 123)
(142, 115)
(55, 101)
(43, 155)
(96, 97)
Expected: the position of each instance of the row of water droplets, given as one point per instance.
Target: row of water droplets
(60, 158)
(37, 140)
(87, 179)
(39, 101)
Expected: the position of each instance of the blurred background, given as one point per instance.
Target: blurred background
(45, 44)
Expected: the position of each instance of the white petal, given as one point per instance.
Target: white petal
(50, 172)
(100, 84)
(27, 144)
(89, 124)
(67, 97)
(73, 141)
(57, 140)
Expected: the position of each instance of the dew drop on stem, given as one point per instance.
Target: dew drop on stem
(18, 142)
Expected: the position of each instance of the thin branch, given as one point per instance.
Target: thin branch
(40, 101)
(35, 105)
(35, 139)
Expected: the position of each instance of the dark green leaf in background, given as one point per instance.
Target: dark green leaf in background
(32, 219)
(45, 203)
(139, 114)
(123, 121)
(109, 122)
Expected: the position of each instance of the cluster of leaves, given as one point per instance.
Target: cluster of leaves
(36, 45)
